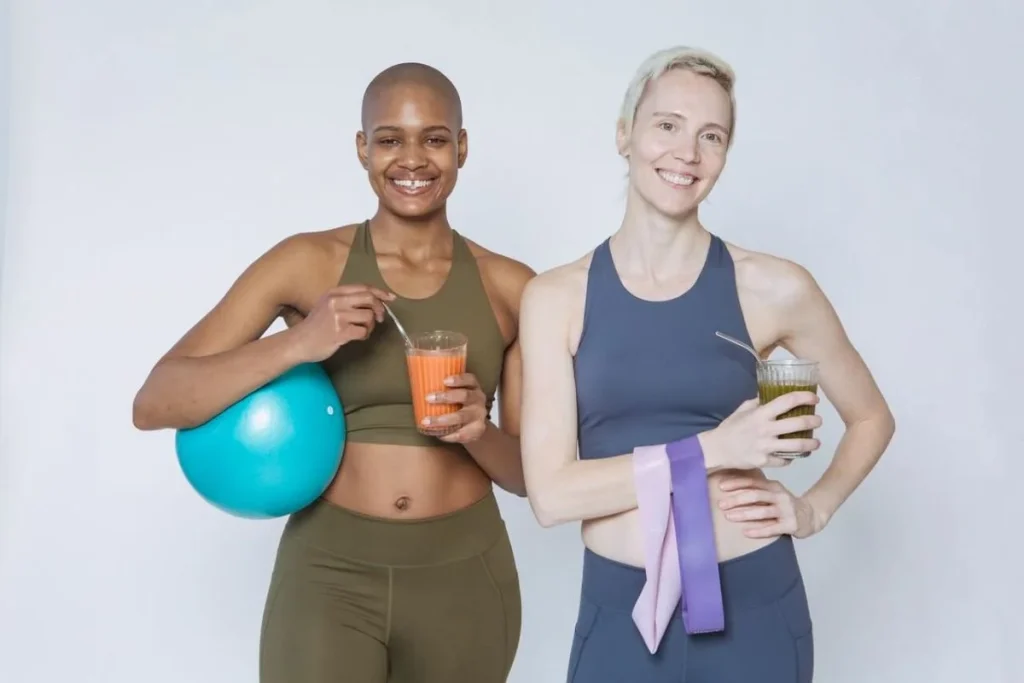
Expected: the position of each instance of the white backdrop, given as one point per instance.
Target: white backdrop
(158, 147)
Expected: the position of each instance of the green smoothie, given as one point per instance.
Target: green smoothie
(768, 391)
(778, 377)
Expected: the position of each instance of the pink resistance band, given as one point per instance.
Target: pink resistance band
(681, 559)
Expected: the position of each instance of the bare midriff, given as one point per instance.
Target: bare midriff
(406, 482)
(619, 537)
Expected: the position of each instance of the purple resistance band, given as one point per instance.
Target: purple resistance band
(695, 538)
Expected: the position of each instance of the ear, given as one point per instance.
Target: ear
(463, 145)
(622, 139)
(361, 150)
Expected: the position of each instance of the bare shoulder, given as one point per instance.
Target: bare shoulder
(565, 283)
(305, 264)
(332, 244)
(317, 256)
(554, 300)
(773, 280)
(504, 274)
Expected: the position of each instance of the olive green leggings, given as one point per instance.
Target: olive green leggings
(357, 599)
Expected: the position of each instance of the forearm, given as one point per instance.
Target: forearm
(585, 489)
(184, 392)
(499, 455)
(591, 489)
(859, 450)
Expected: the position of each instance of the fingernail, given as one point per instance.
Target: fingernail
(431, 397)
(449, 381)
(426, 421)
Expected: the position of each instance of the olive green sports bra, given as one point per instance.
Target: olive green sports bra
(370, 375)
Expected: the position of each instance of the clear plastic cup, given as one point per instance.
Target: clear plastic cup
(778, 377)
(433, 357)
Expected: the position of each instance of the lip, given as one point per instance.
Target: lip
(427, 185)
(662, 172)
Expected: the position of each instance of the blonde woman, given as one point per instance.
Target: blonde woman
(621, 360)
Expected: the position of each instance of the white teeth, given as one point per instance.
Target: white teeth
(677, 178)
(412, 184)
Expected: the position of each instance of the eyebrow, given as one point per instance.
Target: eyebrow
(397, 129)
(676, 115)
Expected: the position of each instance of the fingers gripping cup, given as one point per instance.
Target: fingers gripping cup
(431, 358)
(778, 377)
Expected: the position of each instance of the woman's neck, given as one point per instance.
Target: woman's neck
(649, 244)
(417, 239)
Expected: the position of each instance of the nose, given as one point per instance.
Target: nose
(687, 150)
(412, 158)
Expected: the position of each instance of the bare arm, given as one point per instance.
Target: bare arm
(223, 357)
(497, 451)
(560, 488)
(813, 330)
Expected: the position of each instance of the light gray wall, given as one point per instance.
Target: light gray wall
(5, 111)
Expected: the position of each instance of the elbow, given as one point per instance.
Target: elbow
(517, 489)
(888, 422)
(151, 413)
(884, 423)
(144, 417)
(547, 521)
(545, 509)
(879, 426)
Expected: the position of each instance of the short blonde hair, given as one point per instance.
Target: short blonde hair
(680, 57)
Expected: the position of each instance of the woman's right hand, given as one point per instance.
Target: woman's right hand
(345, 313)
(746, 439)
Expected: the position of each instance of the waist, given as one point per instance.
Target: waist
(752, 580)
(406, 482)
(440, 539)
(620, 537)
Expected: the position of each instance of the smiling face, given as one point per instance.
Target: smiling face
(412, 148)
(678, 141)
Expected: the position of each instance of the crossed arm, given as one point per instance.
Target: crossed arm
(560, 488)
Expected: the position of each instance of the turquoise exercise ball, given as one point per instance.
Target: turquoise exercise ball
(273, 452)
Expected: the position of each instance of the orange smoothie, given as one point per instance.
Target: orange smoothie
(433, 357)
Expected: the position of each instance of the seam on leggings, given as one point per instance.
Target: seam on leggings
(504, 612)
(391, 601)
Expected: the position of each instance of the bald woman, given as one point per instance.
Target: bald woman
(402, 572)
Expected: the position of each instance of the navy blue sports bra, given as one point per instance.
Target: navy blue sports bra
(653, 372)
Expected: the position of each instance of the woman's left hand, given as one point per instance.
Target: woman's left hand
(767, 508)
(471, 418)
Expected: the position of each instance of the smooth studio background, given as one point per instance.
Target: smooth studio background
(157, 148)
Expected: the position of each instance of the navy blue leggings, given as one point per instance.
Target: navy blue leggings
(767, 637)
